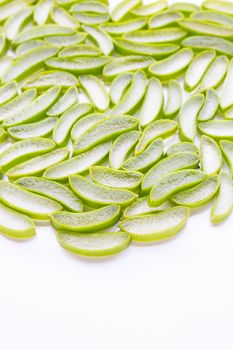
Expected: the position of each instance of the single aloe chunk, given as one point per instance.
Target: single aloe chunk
(8, 91)
(14, 224)
(85, 123)
(106, 129)
(69, 3)
(200, 42)
(24, 150)
(141, 207)
(28, 46)
(95, 195)
(94, 244)
(182, 147)
(35, 109)
(79, 51)
(156, 227)
(102, 39)
(188, 117)
(150, 9)
(217, 129)
(211, 156)
(122, 147)
(197, 69)
(64, 124)
(78, 164)
(16, 22)
(123, 26)
(53, 190)
(175, 162)
(155, 50)
(145, 159)
(215, 17)
(220, 6)
(47, 79)
(91, 18)
(126, 64)
(69, 98)
(63, 18)
(34, 205)
(173, 65)
(37, 165)
(223, 204)
(38, 129)
(42, 11)
(227, 151)
(121, 10)
(89, 221)
(10, 8)
(96, 91)
(159, 128)
(115, 178)
(174, 99)
(5, 63)
(89, 6)
(149, 112)
(133, 95)
(173, 183)
(184, 7)
(198, 195)
(119, 86)
(164, 19)
(62, 41)
(225, 97)
(210, 106)
(156, 36)
(24, 64)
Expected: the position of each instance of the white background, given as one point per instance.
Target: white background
(173, 296)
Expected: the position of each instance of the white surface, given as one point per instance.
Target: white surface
(173, 296)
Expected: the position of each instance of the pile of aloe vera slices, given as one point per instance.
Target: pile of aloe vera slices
(116, 123)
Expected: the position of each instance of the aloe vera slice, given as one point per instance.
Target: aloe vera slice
(91, 18)
(185, 7)
(53, 190)
(149, 112)
(94, 244)
(8, 91)
(24, 150)
(78, 164)
(39, 129)
(133, 96)
(220, 6)
(156, 227)
(106, 129)
(227, 151)
(197, 69)
(200, 42)
(150, 9)
(69, 98)
(210, 106)
(173, 65)
(10, 8)
(144, 160)
(16, 22)
(102, 39)
(28, 46)
(156, 36)
(115, 178)
(223, 204)
(159, 128)
(42, 11)
(119, 86)
(211, 156)
(122, 9)
(34, 205)
(188, 117)
(121, 147)
(215, 17)
(126, 64)
(5, 63)
(89, 221)
(85, 123)
(174, 99)
(80, 50)
(217, 129)
(225, 98)
(164, 19)
(62, 41)
(201, 27)
(66, 121)
(175, 162)
(173, 183)
(141, 207)
(63, 18)
(182, 147)
(47, 79)
(35, 109)
(124, 26)
(96, 91)
(95, 7)
(98, 195)
(198, 195)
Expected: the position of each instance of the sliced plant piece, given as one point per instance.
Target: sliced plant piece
(35, 109)
(223, 204)
(204, 28)
(14, 224)
(211, 156)
(96, 195)
(174, 99)
(173, 183)
(150, 9)
(8, 91)
(156, 36)
(215, 17)
(96, 91)
(80, 50)
(78, 164)
(42, 11)
(217, 129)
(66, 40)
(119, 86)
(158, 226)
(8, 9)
(89, 6)
(85, 123)
(182, 147)
(198, 195)
(173, 65)
(34, 205)
(24, 150)
(106, 129)
(148, 111)
(5, 63)
(164, 19)
(200, 42)
(28, 46)
(122, 9)
(124, 26)
(53, 190)
(63, 18)
(89, 221)
(91, 18)
(94, 244)
(115, 178)
(141, 207)
(188, 117)
(69, 98)
(227, 151)
(210, 106)
(121, 148)
(220, 6)
(64, 124)
(46, 79)
(133, 95)
(185, 7)
(159, 128)
(102, 39)
(145, 159)
(16, 22)
(225, 97)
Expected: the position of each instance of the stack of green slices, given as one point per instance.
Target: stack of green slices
(115, 123)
